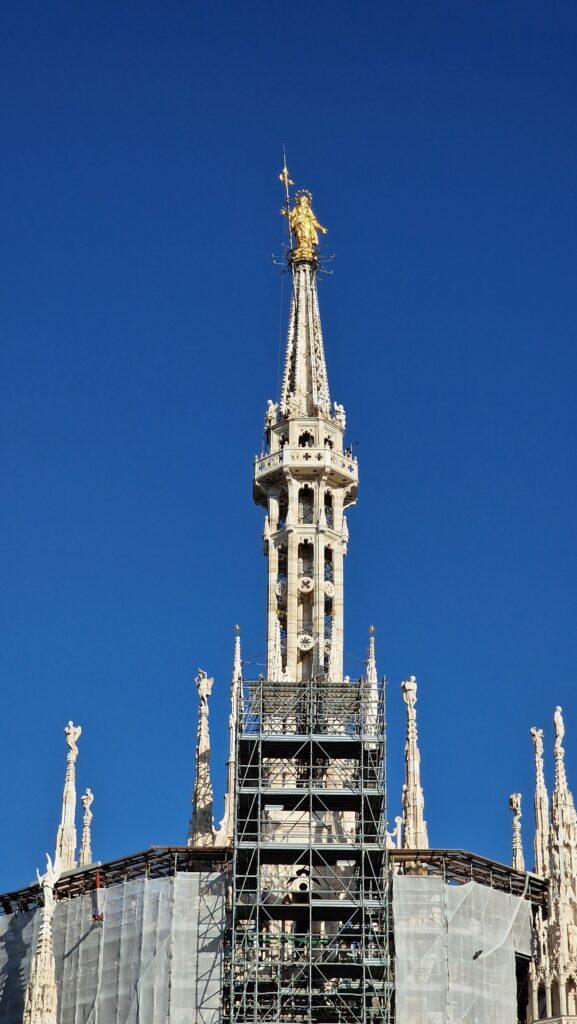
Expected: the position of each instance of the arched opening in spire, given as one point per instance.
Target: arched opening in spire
(306, 559)
(329, 513)
(542, 1001)
(306, 439)
(283, 505)
(555, 999)
(306, 504)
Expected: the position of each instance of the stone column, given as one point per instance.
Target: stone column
(319, 574)
(292, 582)
(338, 581)
(273, 603)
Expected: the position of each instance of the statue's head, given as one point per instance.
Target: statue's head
(303, 199)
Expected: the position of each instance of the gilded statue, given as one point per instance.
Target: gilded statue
(304, 226)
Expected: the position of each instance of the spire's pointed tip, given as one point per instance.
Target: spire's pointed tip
(237, 662)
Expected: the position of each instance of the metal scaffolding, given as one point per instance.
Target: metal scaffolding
(309, 939)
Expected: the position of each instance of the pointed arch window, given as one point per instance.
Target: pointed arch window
(306, 504)
(329, 512)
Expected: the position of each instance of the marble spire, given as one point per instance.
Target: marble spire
(305, 479)
(86, 800)
(541, 805)
(305, 385)
(415, 835)
(66, 835)
(555, 966)
(201, 830)
(225, 831)
(41, 998)
(372, 677)
(518, 861)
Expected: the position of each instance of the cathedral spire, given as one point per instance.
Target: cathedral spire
(41, 999)
(305, 386)
(541, 805)
(225, 831)
(305, 479)
(86, 800)
(201, 830)
(415, 836)
(66, 835)
(518, 861)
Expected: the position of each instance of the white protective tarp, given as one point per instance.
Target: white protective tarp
(455, 949)
(155, 956)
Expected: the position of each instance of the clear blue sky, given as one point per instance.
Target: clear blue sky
(139, 319)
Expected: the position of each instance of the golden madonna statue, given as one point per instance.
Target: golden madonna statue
(304, 226)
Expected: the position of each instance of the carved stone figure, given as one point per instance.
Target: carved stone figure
(271, 414)
(340, 415)
(73, 733)
(304, 226)
(559, 727)
(86, 800)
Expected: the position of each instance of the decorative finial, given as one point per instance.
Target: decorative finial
(86, 800)
(284, 174)
(518, 857)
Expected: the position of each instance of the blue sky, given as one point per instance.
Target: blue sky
(139, 319)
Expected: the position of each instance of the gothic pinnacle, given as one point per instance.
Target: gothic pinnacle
(66, 835)
(518, 857)
(415, 835)
(541, 807)
(201, 830)
(41, 999)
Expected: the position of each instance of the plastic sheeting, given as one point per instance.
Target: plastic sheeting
(455, 951)
(155, 957)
